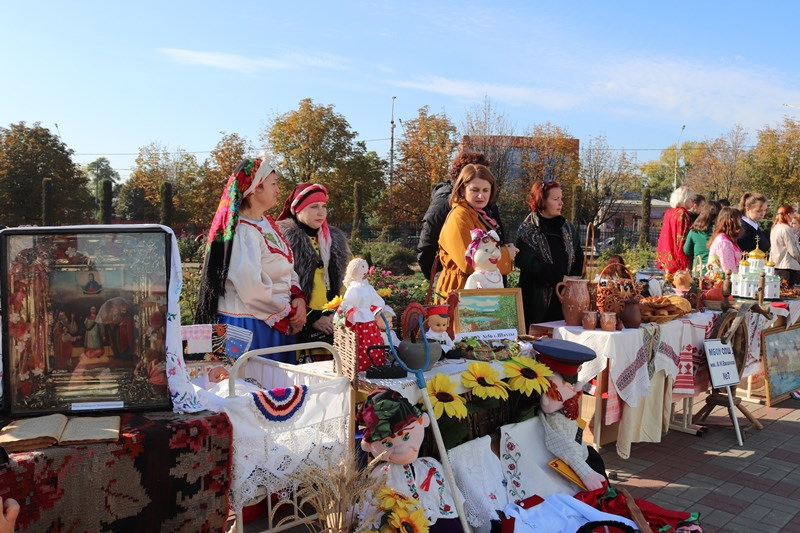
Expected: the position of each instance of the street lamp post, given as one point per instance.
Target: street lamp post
(391, 154)
(675, 168)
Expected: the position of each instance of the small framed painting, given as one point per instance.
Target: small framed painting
(485, 310)
(780, 353)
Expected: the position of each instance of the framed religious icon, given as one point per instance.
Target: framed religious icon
(84, 318)
(780, 353)
(489, 313)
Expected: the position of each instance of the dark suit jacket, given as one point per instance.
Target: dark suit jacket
(747, 240)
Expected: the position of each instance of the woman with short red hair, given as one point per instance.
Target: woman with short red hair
(549, 249)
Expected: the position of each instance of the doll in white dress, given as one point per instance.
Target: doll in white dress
(436, 323)
(360, 302)
(483, 254)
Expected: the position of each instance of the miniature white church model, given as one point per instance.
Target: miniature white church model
(745, 283)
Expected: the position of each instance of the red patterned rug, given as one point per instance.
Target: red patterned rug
(167, 472)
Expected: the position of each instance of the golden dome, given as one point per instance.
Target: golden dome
(757, 253)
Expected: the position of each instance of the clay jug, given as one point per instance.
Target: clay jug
(573, 293)
(631, 315)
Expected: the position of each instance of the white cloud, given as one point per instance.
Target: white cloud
(511, 94)
(241, 63)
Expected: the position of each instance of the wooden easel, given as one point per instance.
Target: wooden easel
(729, 324)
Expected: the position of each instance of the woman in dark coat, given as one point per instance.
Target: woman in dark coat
(320, 255)
(549, 249)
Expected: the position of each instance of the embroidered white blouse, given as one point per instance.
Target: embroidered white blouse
(261, 273)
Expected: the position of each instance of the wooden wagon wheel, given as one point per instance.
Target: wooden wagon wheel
(730, 327)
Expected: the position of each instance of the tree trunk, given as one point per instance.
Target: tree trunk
(47, 202)
(106, 207)
(166, 204)
(644, 230)
(358, 214)
(575, 206)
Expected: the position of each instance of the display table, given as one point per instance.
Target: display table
(167, 472)
(644, 367)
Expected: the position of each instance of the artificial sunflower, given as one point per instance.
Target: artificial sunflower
(333, 304)
(527, 375)
(389, 499)
(484, 381)
(384, 292)
(403, 521)
(444, 398)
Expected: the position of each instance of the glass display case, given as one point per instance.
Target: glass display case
(84, 319)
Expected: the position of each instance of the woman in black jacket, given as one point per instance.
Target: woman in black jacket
(320, 255)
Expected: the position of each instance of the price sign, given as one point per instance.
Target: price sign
(721, 364)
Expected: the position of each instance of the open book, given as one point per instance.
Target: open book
(43, 431)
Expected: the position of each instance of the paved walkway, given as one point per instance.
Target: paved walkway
(750, 489)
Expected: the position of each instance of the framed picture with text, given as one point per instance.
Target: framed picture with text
(482, 310)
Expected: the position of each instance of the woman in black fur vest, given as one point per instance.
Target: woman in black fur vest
(320, 256)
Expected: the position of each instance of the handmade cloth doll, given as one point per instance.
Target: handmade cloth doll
(393, 425)
(560, 405)
(437, 321)
(483, 254)
(358, 307)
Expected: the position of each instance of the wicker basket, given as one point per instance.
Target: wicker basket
(346, 342)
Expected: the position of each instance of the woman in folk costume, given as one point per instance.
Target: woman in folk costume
(248, 273)
(320, 256)
(473, 191)
(674, 228)
(549, 249)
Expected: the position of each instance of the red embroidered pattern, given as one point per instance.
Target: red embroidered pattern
(288, 254)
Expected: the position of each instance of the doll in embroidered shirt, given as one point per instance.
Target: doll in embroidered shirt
(559, 409)
(391, 424)
(483, 254)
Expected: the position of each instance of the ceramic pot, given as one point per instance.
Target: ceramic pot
(589, 320)
(412, 353)
(573, 293)
(631, 315)
(608, 321)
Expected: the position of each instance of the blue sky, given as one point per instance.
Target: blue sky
(116, 76)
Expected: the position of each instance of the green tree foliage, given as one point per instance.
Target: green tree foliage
(98, 170)
(775, 162)
(719, 167)
(155, 165)
(425, 151)
(27, 155)
(673, 164)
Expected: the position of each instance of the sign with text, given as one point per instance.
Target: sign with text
(489, 335)
(721, 364)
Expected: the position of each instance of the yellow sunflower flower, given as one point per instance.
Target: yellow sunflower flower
(527, 375)
(389, 499)
(384, 292)
(444, 398)
(333, 304)
(413, 522)
(484, 381)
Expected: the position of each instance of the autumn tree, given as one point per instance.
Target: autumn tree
(155, 165)
(673, 164)
(203, 199)
(605, 176)
(308, 144)
(27, 156)
(425, 151)
(366, 168)
(775, 162)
